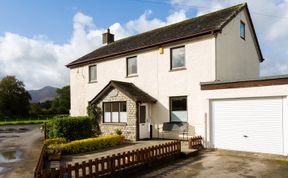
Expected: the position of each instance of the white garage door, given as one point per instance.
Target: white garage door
(253, 125)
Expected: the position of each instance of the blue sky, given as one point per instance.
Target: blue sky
(46, 35)
(54, 18)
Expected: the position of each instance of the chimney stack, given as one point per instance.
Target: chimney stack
(107, 37)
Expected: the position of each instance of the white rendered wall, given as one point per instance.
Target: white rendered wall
(236, 58)
(154, 78)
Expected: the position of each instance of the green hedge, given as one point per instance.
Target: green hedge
(51, 141)
(70, 128)
(91, 144)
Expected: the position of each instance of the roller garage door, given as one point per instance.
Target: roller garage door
(253, 125)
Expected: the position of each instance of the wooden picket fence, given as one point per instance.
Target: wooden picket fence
(41, 162)
(195, 142)
(114, 163)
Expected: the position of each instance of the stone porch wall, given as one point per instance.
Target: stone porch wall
(128, 129)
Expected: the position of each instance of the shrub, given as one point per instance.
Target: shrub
(70, 128)
(52, 141)
(54, 149)
(118, 131)
(94, 114)
(91, 144)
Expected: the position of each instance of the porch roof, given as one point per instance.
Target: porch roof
(129, 89)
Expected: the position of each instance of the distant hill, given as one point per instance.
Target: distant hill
(47, 93)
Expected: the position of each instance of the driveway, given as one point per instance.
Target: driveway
(218, 164)
(20, 146)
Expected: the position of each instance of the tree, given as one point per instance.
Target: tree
(61, 104)
(14, 99)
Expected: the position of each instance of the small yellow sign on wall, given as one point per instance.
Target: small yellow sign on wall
(161, 50)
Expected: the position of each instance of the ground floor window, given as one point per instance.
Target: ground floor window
(178, 109)
(115, 111)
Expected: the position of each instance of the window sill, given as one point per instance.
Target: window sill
(177, 69)
(115, 123)
(95, 81)
(133, 75)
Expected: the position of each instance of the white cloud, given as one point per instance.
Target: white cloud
(39, 62)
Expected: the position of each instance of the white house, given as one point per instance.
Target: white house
(196, 77)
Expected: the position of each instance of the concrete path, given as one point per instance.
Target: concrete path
(220, 165)
(20, 146)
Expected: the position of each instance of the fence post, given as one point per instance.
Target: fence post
(69, 170)
(90, 168)
(112, 167)
(45, 131)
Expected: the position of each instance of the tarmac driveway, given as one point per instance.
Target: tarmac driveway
(219, 164)
(20, 146)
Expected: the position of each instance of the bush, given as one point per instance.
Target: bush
(70, 128)
(91, 144)
(118, 131)
(53, 141)
(54, 149)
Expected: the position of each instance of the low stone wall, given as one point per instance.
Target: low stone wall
(128, 129)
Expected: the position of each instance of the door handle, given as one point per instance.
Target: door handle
(245, 136)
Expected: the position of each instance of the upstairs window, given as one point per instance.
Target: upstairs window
(178, 109)
(242, 30)
(115, 112)
(131, 66)
(177, 57)
(92, 73)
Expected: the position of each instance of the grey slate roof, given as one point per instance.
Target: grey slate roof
(129, 89)
(202, 25)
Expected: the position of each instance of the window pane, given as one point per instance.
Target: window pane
(179, 104)
(242, 29)
(92, 73)
(115, 112)
(178, 109)
(115, 107)
(123, 116)
(107, 107)
(123, 112)
(107, 112)
(178, 57)
(142, 114)
(131, 65)
(123, 107)
(107, 116)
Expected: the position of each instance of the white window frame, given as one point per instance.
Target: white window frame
(127, 66)
(89, 73)
(119, 113)
(179, 112)
(244, 30)
(171, 58)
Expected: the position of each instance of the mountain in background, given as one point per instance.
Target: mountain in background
(47, 93)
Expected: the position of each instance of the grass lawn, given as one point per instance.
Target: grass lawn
(22, 122)
(28, 120)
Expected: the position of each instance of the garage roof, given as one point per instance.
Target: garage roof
(256, 82)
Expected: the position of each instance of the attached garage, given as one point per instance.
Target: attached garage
(248, 124)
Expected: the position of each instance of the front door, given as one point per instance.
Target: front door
(143, 121)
